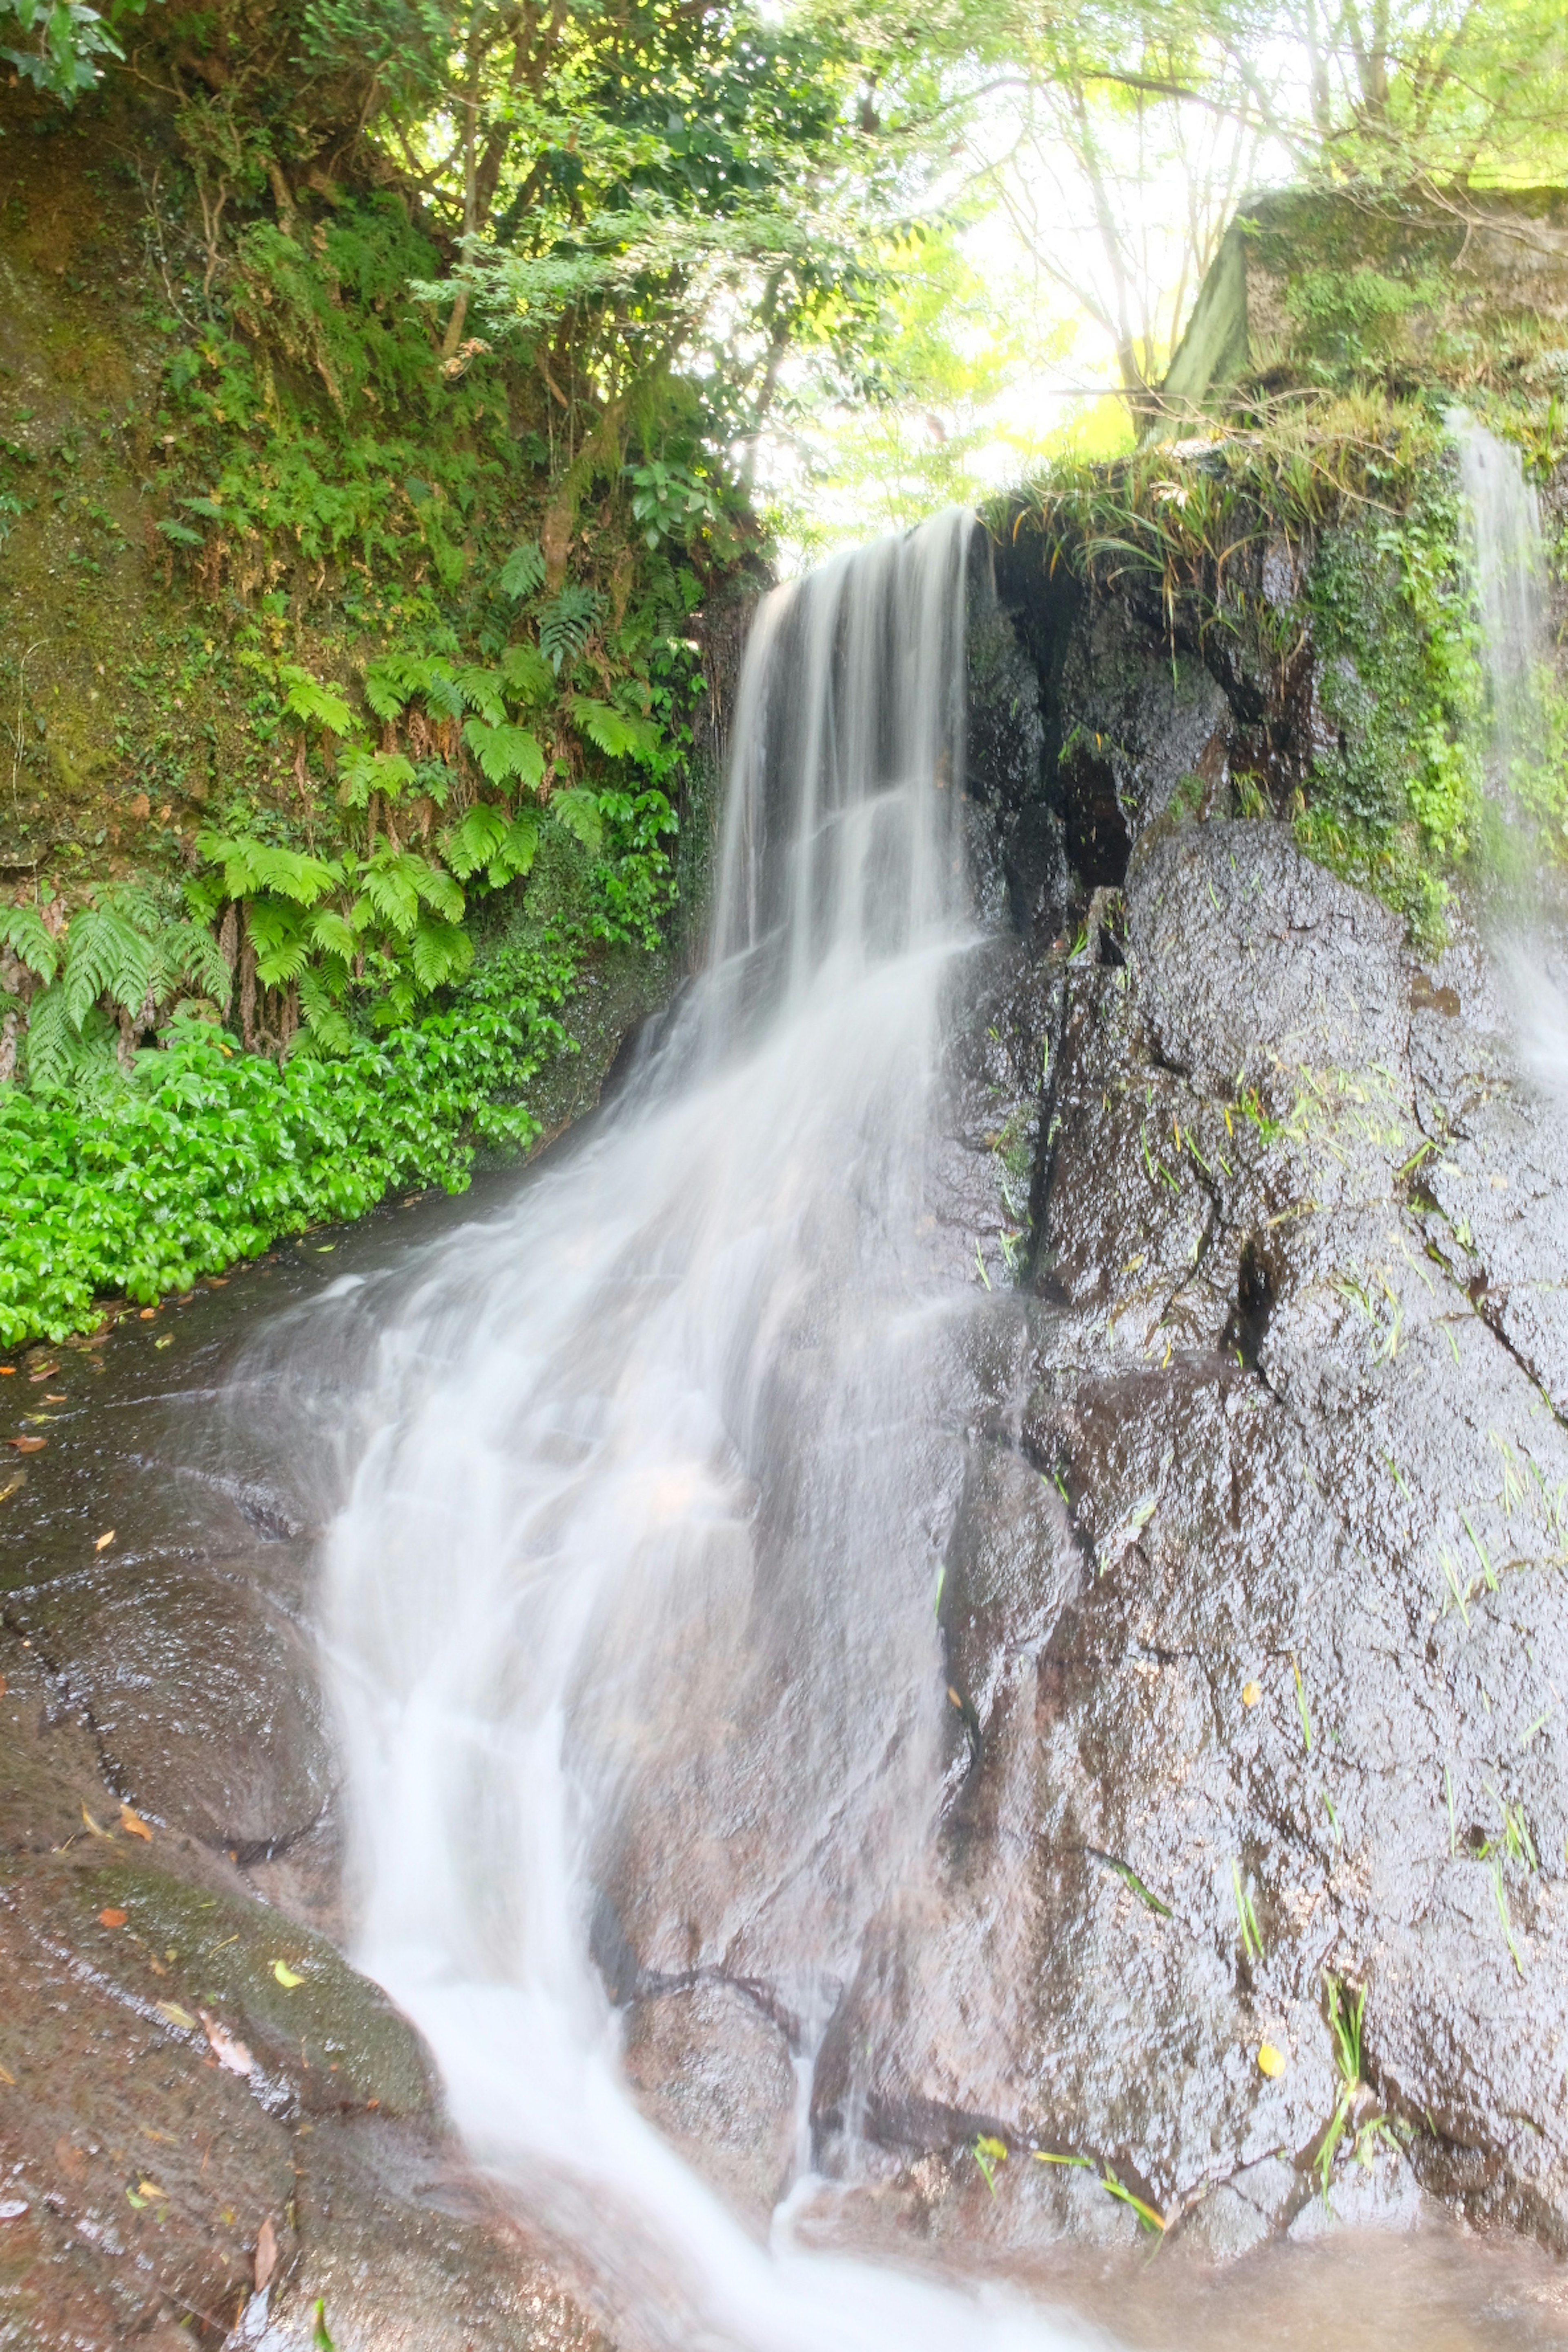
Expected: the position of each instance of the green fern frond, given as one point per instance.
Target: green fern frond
(317, 705)
(523, 572)
(185, 955)
(506, 752)
(613, 732)
(441, 952)
(526, 674)
(25, 932)
(578, 811)
(105, 956)
(474, 842)
(327, 1024)
(482, 691)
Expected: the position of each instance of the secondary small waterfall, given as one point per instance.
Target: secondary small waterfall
(1510, 578)
(1510, 597)
(634, 1587)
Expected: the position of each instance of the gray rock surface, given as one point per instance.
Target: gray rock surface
(1258, 1606)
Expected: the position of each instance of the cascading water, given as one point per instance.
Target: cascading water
(1511, 598)
(634, 1588)
(1505, 518)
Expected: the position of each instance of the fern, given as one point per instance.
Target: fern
(526, 674)
(326, 1023)
(578, 811)
(52, 1042)
(523, 572)
(364, 773)
(317, 705)
(333, 934)
(481, 690)
(252, 866)
(24, 932)
(180, 533)
(107, 954)
(615, 734)
(441, 952)
(566, 624)
(476, 841)
(506, 752)
(185, 955)
(278, 933)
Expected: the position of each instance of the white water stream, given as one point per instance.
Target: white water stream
(635, 1582)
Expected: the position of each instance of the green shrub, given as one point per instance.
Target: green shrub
(207, 1154)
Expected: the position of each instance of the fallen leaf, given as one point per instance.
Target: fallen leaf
(7, 1370)
(132, 2199)
(133, 1825)
(167, 1342)
(11, 2207)
(285, 1975)
(147, 1314)
(1252, 1693)
(2, 1685)
(1271, 2061)
(93, 1826)
(13, 1486)
(230, 2053)
(27, 1444)
(217, 1282)
(172, 2014)
(6, 2076)
(104, 1540)
(112, 1919)
(50, 1399)
(265, 2255)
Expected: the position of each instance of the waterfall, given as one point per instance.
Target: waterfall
(631, 1607)
(1505, 521)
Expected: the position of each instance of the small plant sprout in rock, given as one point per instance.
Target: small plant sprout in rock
(988, 2154)
(1251, 1939)
(1148, 2217)
(1369, 2131)
(1301, 1709)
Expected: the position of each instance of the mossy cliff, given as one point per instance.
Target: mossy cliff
(1270, 608)
(358, 741)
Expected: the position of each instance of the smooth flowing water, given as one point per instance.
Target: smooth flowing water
(634, 1587)
(1511, 571)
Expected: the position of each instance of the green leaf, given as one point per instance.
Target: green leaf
(329, 1027)
(523, 572)
(181, 533)
(505, 752)
(613, 732)
(364, 773)
(566, 624)
(25, 932)
(316, 704)
(474, 842)
(578, 811)
(482, 691)
(442, 953)
(333, 934)
(387, 689)
(106, 955)
(526, 674)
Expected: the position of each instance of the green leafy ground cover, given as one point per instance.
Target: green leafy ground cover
(207, 1154)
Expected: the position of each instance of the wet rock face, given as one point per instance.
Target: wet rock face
(712, 2073)
(1256, 1616)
